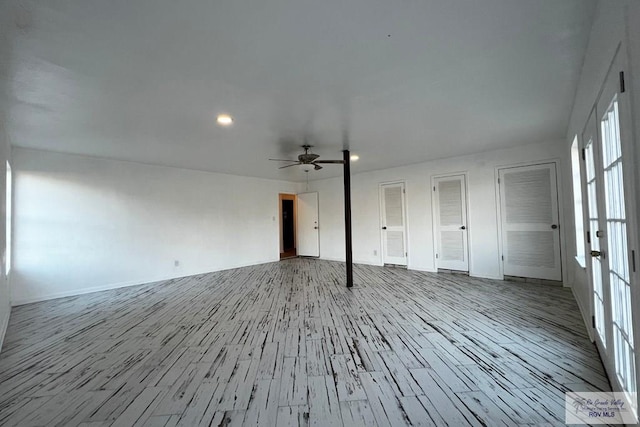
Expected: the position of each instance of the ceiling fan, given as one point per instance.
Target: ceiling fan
(307, 158)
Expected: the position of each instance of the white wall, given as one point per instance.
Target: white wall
(483, 220)
(5, 154)
(613, 19)
(84, 224)
(5, 296)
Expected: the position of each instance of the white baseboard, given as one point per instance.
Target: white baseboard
(425, 270)
(375, 264)
(4, 324)
(586, 315)
(107, 287)
(486, 277)
(328, 258)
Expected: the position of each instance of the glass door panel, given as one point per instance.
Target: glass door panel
(594, 237)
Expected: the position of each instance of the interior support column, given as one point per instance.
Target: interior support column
(347, 216)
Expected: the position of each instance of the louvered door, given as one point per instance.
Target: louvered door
(450, 212)
(529, 216)
(394, 234)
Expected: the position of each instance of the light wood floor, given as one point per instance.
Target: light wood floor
(287, 344)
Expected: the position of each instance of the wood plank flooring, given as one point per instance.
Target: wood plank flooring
(287, 344)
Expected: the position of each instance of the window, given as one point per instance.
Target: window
(577, 201)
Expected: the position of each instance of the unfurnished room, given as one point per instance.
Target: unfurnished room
(295, 213)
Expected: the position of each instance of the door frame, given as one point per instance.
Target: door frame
(561, 215)
(281, 197)
(405, 213)
(435, 205)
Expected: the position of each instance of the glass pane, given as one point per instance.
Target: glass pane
(596, 267)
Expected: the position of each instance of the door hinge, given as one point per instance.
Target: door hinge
(584, 154)
(434, 188)
(622, 88)
(633, 260)
(404, 191)
(498, 180)
(436, 256)
(593, 321)
(502, 257)
(406, 254)
(588, 237)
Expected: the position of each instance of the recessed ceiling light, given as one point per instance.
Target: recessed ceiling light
(224, 119)
(354, 157)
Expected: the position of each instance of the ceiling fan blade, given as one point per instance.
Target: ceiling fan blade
(283, 160)
(288, 166)
(339, 162)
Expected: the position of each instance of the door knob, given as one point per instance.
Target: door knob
(596, 253)
(384, 228)
(463, 228)
(554, 226)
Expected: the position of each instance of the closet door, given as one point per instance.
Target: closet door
(394, 232)
(450, 206)
(529, 216)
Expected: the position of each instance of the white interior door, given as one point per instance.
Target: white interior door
(394, 233)
(450, 206)
(529, 216)
(308, 232)
(609, 184)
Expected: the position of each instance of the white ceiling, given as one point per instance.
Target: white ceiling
(398, 81)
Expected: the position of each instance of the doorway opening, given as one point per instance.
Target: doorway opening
(287, 203)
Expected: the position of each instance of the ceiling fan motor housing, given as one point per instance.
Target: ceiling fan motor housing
(307, 157)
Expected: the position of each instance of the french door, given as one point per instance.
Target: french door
(597, 245)
(608, 186)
